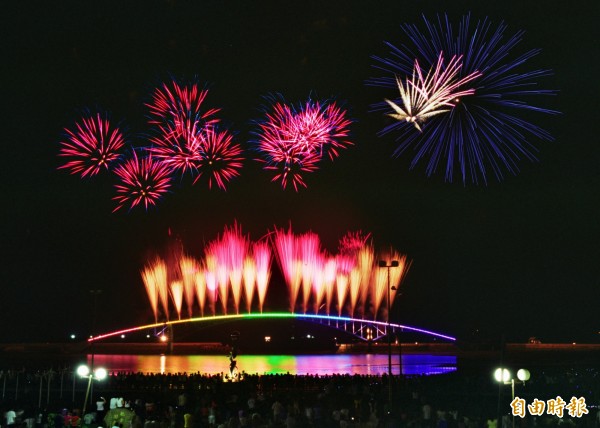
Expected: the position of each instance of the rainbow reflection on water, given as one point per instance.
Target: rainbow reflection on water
(362, 364)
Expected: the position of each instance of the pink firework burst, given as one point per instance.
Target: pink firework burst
(219, 157)
(292, 166)
(91, 145)
(180, 105)
(293, 140)
(177, 147)
(143, 182)
(352, 242)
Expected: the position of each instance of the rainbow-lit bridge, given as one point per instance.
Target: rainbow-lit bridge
(364, 329)
(351, 291)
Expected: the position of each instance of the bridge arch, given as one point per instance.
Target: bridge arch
(363, 329)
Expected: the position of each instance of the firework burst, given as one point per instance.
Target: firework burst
(177, 147)
(143, 182)
(424, 97)
(293, 140)
(208, 151)
(219, 157)
(91, 145)
(234, 269)
(180, 106)
(481, 134)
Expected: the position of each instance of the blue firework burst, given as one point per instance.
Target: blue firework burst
(484, 133)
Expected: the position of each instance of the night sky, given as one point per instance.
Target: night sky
(517, 258)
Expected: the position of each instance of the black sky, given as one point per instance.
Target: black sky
(518, 257)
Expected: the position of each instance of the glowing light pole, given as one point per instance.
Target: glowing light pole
(384, 264)
(398, 295)
(85, 372)
(502, 375)
(94, 294)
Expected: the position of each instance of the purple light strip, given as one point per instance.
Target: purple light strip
(381, 323)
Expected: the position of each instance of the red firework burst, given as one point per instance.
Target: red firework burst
(91, 145)
(143, 181)
(180, 105)
(178, 147)
(293, 140)
(219, 157)
(352, 242)
(290, 167)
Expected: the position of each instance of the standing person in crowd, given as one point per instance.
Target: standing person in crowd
(10, 417)
(100, 410)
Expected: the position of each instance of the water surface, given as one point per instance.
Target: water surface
(363, 364)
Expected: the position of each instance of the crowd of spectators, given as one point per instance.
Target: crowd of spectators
(196, 400)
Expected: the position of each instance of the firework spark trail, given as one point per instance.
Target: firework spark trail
(380, 280)
(151, 283)
(237, 247)
(349, 276)
(341, 286)
(91, 146)
(189, 269)
(398, 274)
(235, 279)
(436, 93)
(223, 285)
(349, 248)
(201, 289)
(143, 181)
(329, 280)
(396, 277)
(211, 280)
(249, 275)
(293, 140)
(380, 287)
(262, 257)
(355, 284)
(483, 133)
(157, 270)
(217, 252)
(176, 290)
(287, 253)
(366, 259)
(351, 243)
(318, 283)
(310, 254)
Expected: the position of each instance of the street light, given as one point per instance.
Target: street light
(85, 372)
(384, 264)
(504, 376)
(399, 339)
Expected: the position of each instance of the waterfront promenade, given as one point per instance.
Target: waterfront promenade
(467, 398)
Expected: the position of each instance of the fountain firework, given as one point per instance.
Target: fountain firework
(235, 272)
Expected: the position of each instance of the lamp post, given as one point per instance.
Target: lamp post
(504, 376)
(384, 264)
(85, 372)
(398, 295)
(94, 294)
